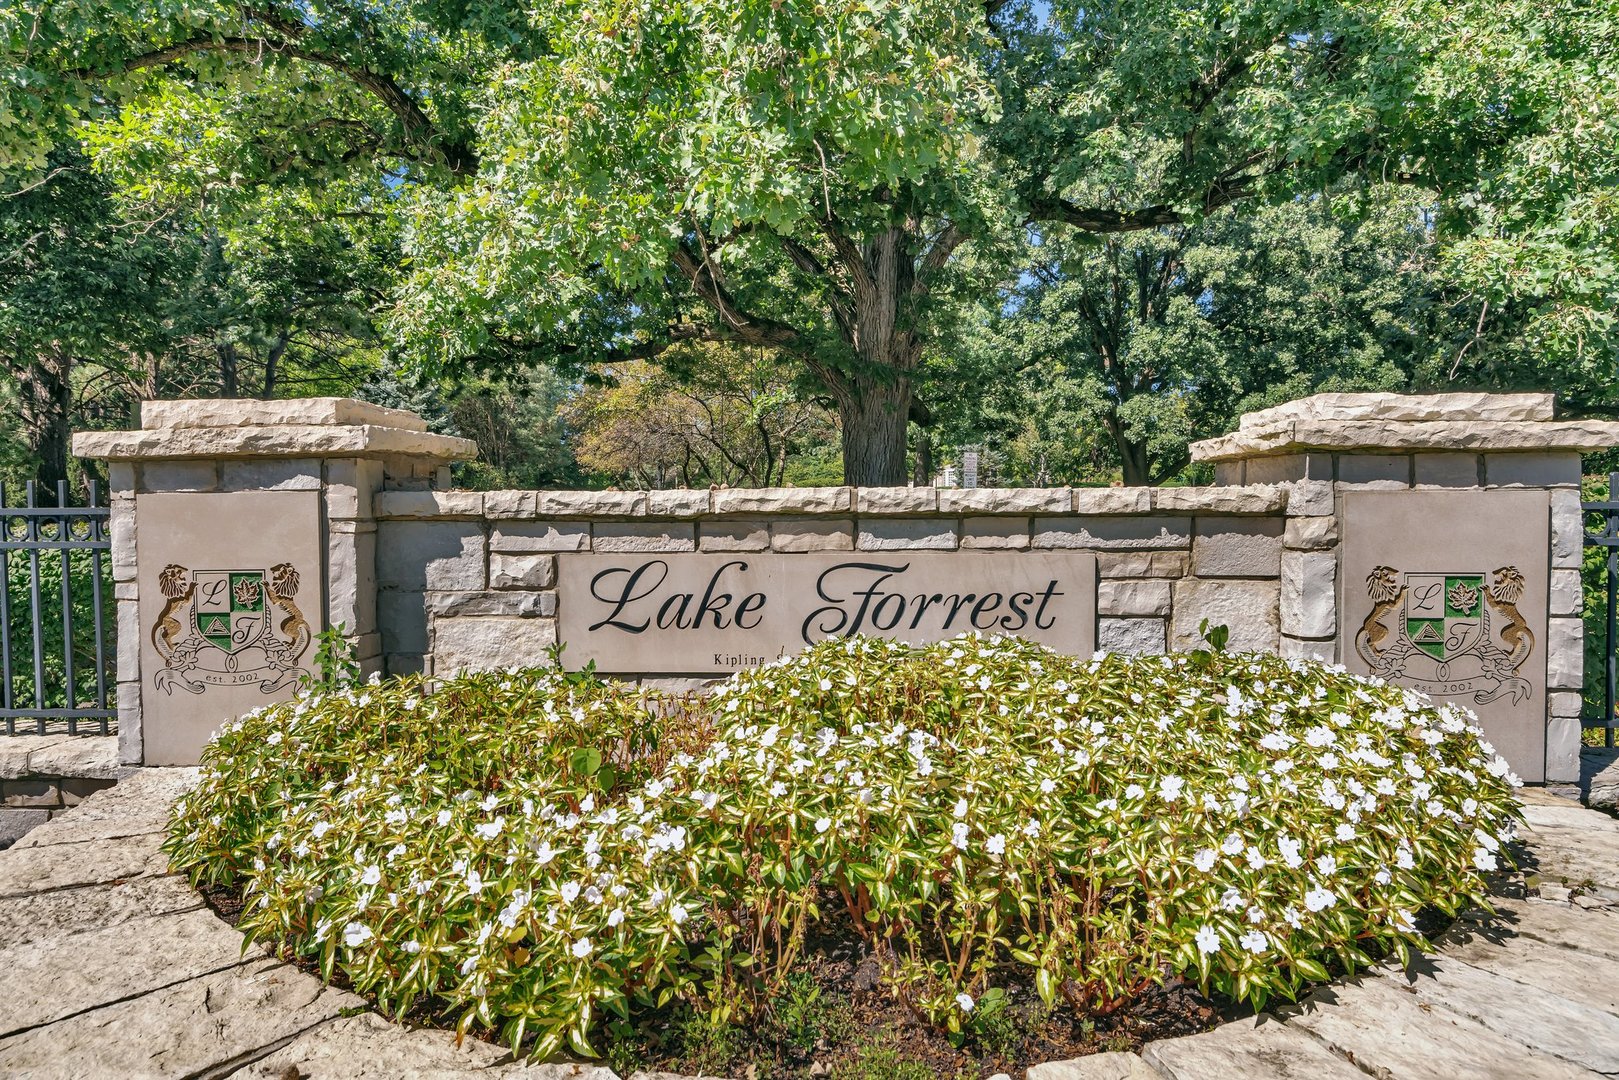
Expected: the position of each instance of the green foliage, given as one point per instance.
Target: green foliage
(336, 664)
(53, 690)
(534, 851)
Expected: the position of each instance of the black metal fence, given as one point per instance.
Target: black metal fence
(57, 656)
(1606, 513)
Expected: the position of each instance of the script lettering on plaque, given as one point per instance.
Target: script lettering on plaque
(685, 613)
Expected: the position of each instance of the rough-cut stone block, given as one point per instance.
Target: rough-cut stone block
(190, 1029)
(1141, 564)
(404, 664)
(590, 503)
(1310, 533)
(430, 555)
(490, 643)
(296, 474)
(1253, 499)
(522, 571)
(1258, 1047)
(812, 534)
(1144, 636)
(351, 577)
(1567, 704)
(1568, 529)
(995, 533)
(14, 825)
(1466, 405)
(279, 440)
(517, 602)
(1309, 594)
(1532, 470)
(1395, 437)
(131, 739)
(678, 503)
(15, 750)
(610, 536)
(810, 500)
(179, 476)
(1370, 468)
(1109, 1065)
(351, 483)
(83, 757)
(1299, 648)
(1288, 467)
(1311, 498)
(1150, 597)
(367, 1047)
(906, 534)
(258, 412)
(896, 500)
(1564, 658)
(1113, 533)
(1112, 500)
(1228, 473)
(1567, 596)
(403, 619)
(1249, 609)
(532, 538)
(1237, 547)
(120, 478)
(1005, 500)
(1563, 749)
(1446, 470)
(29, 870)
(428, 504)
(510, 504)
(734, 534)
(122, 525)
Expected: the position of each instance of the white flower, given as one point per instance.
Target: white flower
(1326, 865)
(778, 789)
(1032, 828)
(372, 875)
(1404, 923)
(961, 808)
(1134, 791)
(1317, 899)
(570, 891)
(1256, 859)
(490, 829)
(582, 948)
(412, 947)
(964, 1002)
(1232, 844)
(1208, 941)
(1345, 833)
(321, 829)
(443, 817)
(1483, 859)
(356, 934)
(1254, 941)
(474, 882)
(1170, 787)
(995, 845)
(823, 824)
(1231, 900)
(1047, 786)
(615, 917)
(678, 913)
(958, 835)
(1204, 860)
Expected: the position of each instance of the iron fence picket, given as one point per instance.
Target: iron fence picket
(66, 530)
(1608, 540)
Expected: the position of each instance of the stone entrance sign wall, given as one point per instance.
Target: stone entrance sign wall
(690, 614)
(1446, 591)
(433, 580)
(229, 583)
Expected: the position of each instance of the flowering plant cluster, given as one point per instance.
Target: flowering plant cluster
(535, 849)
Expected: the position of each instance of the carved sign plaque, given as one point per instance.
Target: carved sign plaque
(695, 614)
(231, 596)
(1446, 591)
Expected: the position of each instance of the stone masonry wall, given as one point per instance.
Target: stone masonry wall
(467, 579)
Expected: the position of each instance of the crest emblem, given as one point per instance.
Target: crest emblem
(1457, 632)
(229, 628)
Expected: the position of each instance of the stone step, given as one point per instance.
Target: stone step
(1555, 923)
(201, 1026)
(368, 1047)
(1387, 1032)
(54, 978)
(1572, 857)
(1110, 1065)
(1539, 1019)
(1248, 1049)
(135, 805)
(27, 871)
(1588, 978)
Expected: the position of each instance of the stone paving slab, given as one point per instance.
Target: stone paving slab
(1261, 1047)
(1561, 924)
(197, 1026)
(51, 979)
(1109, 1065)
(368, 1047)
(1387, 1031)
(139, 804)
(1539, 1019)
(1586, 977)
(54, 915)
(26, 871)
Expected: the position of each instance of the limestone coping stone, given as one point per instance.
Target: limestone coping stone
(251, 412)
(1298, 436)
(272, 441)
(1418, 407)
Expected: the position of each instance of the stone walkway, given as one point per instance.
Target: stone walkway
(112, 967)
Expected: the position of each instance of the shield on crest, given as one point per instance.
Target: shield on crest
(1443, 613)
(228, 612)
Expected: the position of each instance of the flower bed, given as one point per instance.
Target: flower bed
(540, 851)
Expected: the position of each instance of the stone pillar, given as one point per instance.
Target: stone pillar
(240, 530)
(1480, 491)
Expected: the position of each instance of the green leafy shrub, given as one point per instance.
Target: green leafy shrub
(533, 849)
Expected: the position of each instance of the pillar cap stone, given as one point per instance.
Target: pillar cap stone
(301, 428)
(1401, 423)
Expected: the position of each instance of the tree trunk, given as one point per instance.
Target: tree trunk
(1134, 460)
(47, 409)
(873, 420)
